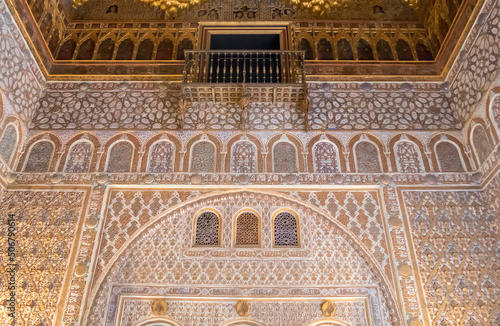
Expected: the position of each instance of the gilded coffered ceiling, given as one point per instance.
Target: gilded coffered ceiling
(342, 39)
(147, 10)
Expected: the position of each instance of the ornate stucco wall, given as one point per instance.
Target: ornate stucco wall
(392, 232)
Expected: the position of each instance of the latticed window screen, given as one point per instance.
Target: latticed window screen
(247, 229)
(285, 230)
(207, 229)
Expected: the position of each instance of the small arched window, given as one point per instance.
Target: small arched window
(286, 230)
(247, 230)
(207, 229)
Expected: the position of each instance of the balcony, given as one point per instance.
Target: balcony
(231, 75)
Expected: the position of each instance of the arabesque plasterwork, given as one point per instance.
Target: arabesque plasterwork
(403, 243)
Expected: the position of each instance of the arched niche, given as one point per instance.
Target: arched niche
(149, 151)
(284, 162)
(76, 157)
(407, 154)
(44, 157)
(364, 50)
(67, 50)
(403, 50)
(79, 157)
(285, 157)
(9, 142)
(319, 161)
(105, 50)
(244, 157)
(202, 157)
(408, 157)
(203, 154)
(305, 45)
(325, 157)
(40, 155)
(123, 156)
(125, 50)
(245, 154)
(424, 52)
(448, 157)
(448, 154)
(367, 157)
(384, 50)
(120, 156)
(480, 143)
(161, 157)
(145, 50)
(165, 49)
(185, 44)
(362, 160)
(325, 50)
(344, 50)
(86, 50)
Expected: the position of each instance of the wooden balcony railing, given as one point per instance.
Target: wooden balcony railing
(244, 67)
